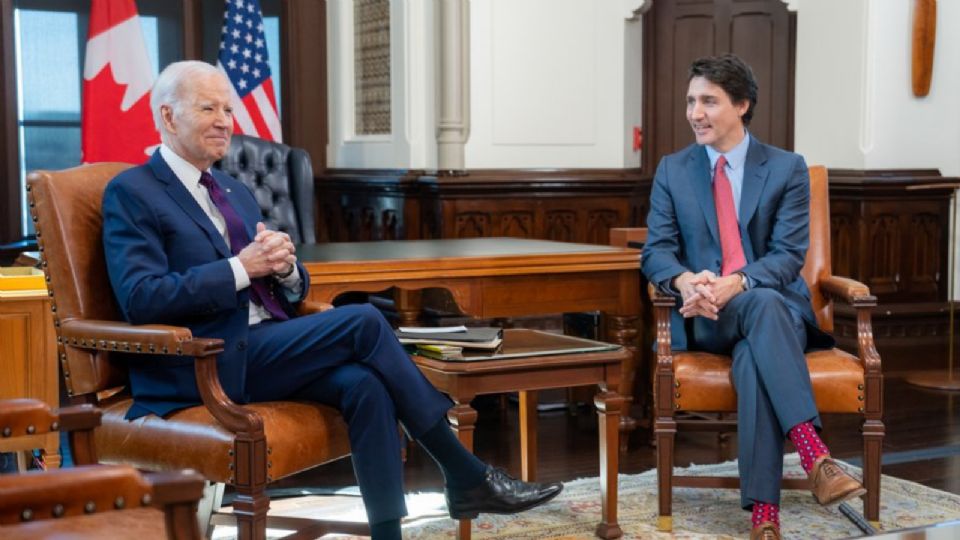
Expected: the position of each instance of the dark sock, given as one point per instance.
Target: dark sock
(460, 468)
(386, 530)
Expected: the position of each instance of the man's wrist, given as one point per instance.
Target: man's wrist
(287, 273)
(744, 281)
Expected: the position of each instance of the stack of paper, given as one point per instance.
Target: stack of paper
(459, 336)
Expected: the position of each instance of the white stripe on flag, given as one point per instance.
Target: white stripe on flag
(268, 113)
(240, 113)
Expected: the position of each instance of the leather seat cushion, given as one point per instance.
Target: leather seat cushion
(299, 435)
(705, 383)
(139, 523)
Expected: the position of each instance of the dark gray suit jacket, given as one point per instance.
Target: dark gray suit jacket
(774, 226)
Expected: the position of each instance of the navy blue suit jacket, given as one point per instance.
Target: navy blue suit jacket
(168, 265)
(774, 220)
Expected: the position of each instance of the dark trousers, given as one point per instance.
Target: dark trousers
(774, 393)
(348, 358)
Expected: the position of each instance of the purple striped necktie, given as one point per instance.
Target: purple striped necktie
(259, 288)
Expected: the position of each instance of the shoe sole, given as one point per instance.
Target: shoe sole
(474, 513)
(859, 492)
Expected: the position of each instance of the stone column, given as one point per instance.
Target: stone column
(453, 123)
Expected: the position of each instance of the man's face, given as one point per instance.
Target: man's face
(200, 128)
(716, 121)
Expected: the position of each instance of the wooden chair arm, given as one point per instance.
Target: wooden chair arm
(308, 307)
(142, 338)
(87, 489)
(163, 339)
(847, 290)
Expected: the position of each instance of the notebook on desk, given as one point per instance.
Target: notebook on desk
(521, 342)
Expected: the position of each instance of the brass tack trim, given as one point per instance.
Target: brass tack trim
(859, 398)
(230, 466)
(269, 478)
(676, 383)
(90, 507)
(164, 349)
(230, 452)
(31, 429)
(7, 431)
(859, 409)
(26, 514)
(677, 406)
(119, 503)
(860, 387)
(146, 499)
(678, 395)
(58, 510)
(269, 464)
(55, 426)
(230, 480)
(269, 450)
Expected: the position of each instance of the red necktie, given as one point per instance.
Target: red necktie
(259, 287)
(733, 258)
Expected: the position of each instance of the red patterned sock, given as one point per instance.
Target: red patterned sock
(765, 512)
(804, 437)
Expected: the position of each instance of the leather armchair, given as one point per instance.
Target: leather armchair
(89, 501)
(245, 446)
(700, 382)
(281, 178)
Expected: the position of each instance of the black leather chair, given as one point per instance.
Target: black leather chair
(281, 178)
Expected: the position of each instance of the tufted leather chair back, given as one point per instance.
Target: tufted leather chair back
(817, 263)
(281, 178)
(65, 206)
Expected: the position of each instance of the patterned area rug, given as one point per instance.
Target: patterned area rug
(698, 513)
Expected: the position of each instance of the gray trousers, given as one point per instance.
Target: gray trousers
(766, 340)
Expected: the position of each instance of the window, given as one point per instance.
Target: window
(50, 37)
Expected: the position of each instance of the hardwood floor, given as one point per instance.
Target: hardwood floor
(922, 444)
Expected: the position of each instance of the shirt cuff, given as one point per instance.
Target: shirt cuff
(292, 281)
(240, 277)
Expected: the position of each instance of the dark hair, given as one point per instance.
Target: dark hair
(733, 75)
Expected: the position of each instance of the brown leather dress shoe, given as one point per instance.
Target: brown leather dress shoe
(765, 531)
(831, 484)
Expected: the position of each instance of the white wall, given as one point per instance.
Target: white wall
(855, 106)
(547, 83)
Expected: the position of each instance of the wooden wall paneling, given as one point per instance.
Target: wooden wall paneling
(193, 29)
(303, 33)
(10, 192)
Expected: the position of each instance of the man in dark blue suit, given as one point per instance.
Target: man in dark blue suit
(728, 233)
(185, 246)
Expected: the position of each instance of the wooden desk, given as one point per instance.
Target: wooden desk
(28, 365)
(463, 381)
(493, 277)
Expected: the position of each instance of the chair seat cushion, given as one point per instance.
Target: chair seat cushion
(299, 435)
(703, 381)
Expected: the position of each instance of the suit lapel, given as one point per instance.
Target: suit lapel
(754, 176)
(178, 192)
(698, 170)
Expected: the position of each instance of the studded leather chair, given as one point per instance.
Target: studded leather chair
(90, 500)
(700, 382)
(281, 178)
(245, 446)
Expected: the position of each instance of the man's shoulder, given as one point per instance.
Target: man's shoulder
(776, 154)
(137, 180)
(682, 155)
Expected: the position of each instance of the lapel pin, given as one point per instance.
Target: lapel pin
(228, 190)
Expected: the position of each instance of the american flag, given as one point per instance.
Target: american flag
(243, 57)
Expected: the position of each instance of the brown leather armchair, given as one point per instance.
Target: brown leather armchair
(245, 446)
(842, 383)
(89, 501)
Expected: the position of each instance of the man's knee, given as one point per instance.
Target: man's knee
(362, 390)
(367, 319)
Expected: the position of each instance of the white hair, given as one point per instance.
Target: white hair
(168, 89)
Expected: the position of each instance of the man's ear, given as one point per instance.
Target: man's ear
(166, 116)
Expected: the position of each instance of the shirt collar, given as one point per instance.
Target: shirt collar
(185, 171)
(735, 157)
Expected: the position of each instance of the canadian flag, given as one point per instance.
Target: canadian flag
(116, 122)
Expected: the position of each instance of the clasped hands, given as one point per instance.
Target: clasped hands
(705, 294)
(270, 252)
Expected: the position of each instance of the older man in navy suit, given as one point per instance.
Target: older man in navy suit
(185, 245)
(728, 233)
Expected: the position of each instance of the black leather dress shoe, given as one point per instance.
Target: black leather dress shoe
(499, 493)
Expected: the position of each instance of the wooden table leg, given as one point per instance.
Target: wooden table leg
(408, 304)
(624, 330)
(609, 407)
(463, 418)
(528, 435)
